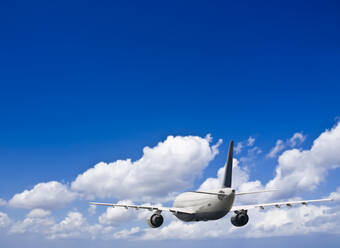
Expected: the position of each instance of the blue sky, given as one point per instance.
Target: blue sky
(84, 82)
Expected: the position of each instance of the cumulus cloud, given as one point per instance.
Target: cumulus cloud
(279, 146)
(240, 183)
(41, 222)
(296, 171)
(192, 230)
(74, 225)
(294, 221)
(5, 221)
(251, 141)
(263, 223)
(313, 218)
(296, 139)
(238, 147)
(116, 216)
(92, 209)
(126, 233)
(240, 177)
(3, 202)
(172, 165)
(304, 170)
(335, 195)
(38, 213)
(246, 143)
(36, 221)
(50, 195)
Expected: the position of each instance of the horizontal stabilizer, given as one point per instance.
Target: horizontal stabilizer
(240, 193)
(256, 192)
(208, 193)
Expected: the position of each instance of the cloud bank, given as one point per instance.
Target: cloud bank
(172, 165)
(304, 170)
(50, 195)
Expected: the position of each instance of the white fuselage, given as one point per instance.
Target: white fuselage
(205, 206)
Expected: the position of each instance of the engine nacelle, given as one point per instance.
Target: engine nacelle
(155, 220)
(239, 219)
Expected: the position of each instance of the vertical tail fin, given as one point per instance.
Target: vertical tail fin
(228, 167)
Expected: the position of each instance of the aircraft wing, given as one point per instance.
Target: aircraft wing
(276, 204)
(147, 207)
(237, 193)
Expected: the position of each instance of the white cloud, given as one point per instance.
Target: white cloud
(240, 182)
(5, 221)
(172, 165)
(335, 195)
(36, 221)
(50, 195)
(251, 141)
(296, 171)
(126, 233)
(246, 143)
(92, 209)
(38, 213)
(238, 148)
(294, 221)
(254, 151)
(304, 170)
(74, 225)
(70, 227)
(190, 230)
(240, 176)
(268, 223)
(297, 138)
(279, 146)
(3, 202)
(116, 216)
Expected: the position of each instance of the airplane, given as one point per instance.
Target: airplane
(211, 204)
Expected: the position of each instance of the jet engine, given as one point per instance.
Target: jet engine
(156, 220)
(240, 219)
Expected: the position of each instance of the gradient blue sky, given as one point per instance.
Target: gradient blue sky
(88, 81)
